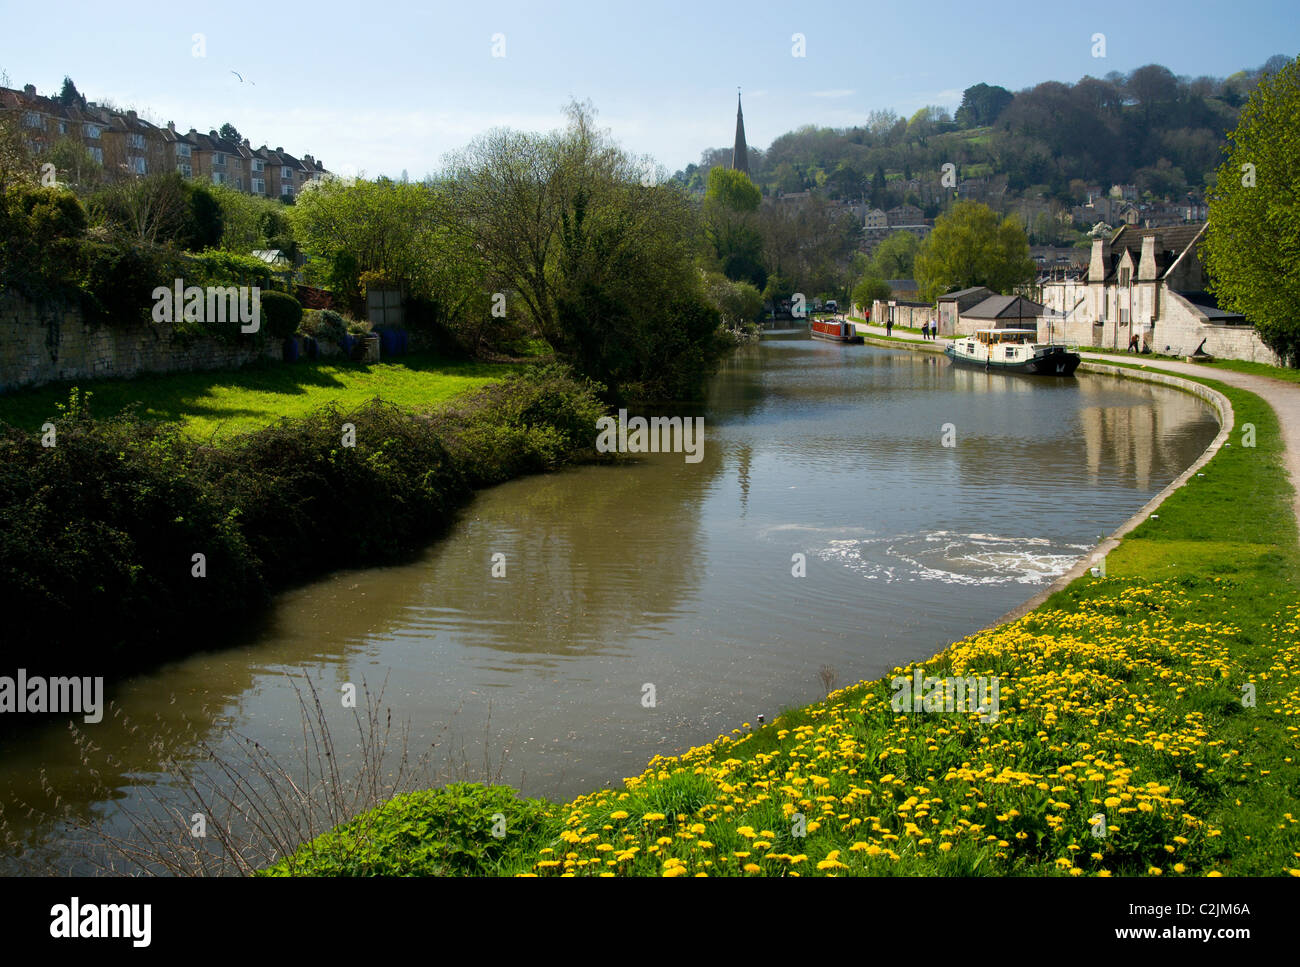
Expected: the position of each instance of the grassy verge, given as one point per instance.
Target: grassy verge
(1146, 725)
(224, 403)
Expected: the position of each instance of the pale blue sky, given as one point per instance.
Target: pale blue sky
(387, 86)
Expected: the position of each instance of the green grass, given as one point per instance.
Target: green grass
(1123, 695)
(226, 402)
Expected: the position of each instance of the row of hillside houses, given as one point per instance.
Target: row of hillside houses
(121, 141)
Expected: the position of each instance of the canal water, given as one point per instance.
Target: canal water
(649, 607)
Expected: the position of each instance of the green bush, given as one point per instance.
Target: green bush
(332, 327)
(119, 278)
(218, 267)
(280, 315)
(435, 832)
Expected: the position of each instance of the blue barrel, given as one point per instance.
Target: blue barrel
(387, 342)
(403, 341)
(291, 350)
(346, 345)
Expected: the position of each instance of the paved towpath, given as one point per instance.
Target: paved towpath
(1284, 397)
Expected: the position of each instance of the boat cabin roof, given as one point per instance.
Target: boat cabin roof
(997, 336)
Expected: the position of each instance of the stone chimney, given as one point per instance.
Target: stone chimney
(1147, 265)
(279, 149)
(171, 126)
(1100, 259)
(29, 89)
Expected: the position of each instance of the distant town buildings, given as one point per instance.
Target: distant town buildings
(125, 143)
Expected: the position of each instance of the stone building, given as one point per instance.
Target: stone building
(1150, 282)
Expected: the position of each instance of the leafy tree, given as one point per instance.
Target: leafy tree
(17, 166)
(894, 256)
(733, 191)
(205, 226)
(736, 302)
(153, 209)
(778, 288)
(869, 289)
(230, 132)
(602, 266)
(971, 246)
(74, 162)
(981, 104)
(1254, 214)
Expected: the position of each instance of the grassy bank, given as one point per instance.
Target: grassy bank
(224, 403)
(166, 543)
(1147, 724)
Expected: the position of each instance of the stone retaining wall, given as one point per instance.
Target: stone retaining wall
(47, 343)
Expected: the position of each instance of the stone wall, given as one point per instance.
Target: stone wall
(46, 343)
(909, 314)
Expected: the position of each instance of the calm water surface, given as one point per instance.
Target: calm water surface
(679, 575)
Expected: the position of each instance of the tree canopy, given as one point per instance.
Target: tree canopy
(1252, 251)
(971, 246)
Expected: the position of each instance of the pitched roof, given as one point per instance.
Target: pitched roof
(1171, 242)
(1005, 307)
(961, 294)
(1207, 307)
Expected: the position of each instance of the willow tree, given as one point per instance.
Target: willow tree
(1252, 242)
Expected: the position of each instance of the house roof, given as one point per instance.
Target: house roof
(1005, 307)
(961, 294)
(1171, 242)
(1207, 307)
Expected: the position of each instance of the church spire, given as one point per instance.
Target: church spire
(740, 153)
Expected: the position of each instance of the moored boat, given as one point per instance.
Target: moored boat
(1012, 350)
(836, 330)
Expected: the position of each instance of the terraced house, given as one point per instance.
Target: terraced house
(124, 143)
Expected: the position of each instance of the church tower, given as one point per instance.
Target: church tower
(740, 153)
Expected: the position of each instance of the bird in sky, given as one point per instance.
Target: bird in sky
(241, 78)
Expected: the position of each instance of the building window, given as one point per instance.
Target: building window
(137, 165)
(286, 173)
(63, 127)
(286, 191)
(92, 130)
(239, 183)
(259, 186)
(219, 160)
(185, 169)
(218, 177)
(258, 166)
(136, 140)
(182, 150)
(1125, 277)
(97, 154)
(32, 120)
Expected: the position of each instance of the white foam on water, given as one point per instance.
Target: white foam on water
(951, 558)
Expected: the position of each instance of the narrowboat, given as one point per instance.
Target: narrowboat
(1012, 350)
(836, 330)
